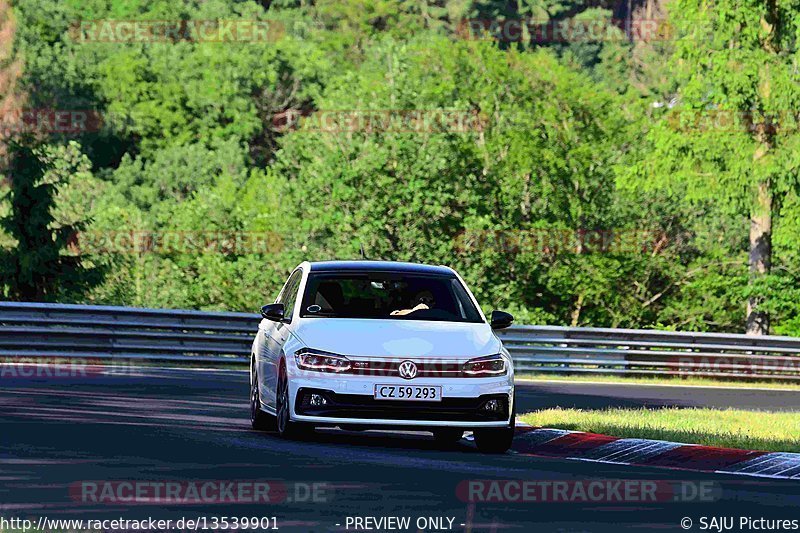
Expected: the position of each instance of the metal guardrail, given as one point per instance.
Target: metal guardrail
(125, 333)
(34, 330)
(566, 350)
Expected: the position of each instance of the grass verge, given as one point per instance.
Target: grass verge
(683, 382)
(729, 428)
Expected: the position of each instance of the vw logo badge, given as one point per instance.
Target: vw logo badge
(408, 370)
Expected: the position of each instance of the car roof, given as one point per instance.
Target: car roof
(379, 266)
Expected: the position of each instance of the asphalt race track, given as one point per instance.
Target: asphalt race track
(156, 425)
(538, 395)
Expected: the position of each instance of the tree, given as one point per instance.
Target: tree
(11, 96)
(536, 165)
(40, 267)
(732, 137)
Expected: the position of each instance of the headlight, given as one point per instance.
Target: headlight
(319, 361)
(493, 365)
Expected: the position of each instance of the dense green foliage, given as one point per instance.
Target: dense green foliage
(40, 267)
(586, 188)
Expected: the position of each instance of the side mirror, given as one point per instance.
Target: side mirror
(273, 312)
(501, 319)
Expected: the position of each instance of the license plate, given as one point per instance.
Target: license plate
(409, 393)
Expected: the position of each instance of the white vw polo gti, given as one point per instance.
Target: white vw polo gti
(375, 345)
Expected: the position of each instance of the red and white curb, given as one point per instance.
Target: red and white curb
(642, 452)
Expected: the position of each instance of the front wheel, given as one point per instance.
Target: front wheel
(447, 435)
(494, 440)
(285, 426)
(497, 440)
(259, 420)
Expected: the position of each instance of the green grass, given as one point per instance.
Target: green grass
(684, 382)
(730, 428)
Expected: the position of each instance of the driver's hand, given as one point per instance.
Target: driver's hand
(418, 307)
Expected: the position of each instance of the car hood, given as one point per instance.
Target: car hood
(398, 338)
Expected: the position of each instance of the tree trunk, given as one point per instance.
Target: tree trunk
(760, 258)
(576, 311)
(12, 97)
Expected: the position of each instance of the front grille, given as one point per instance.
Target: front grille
(391, 368)
(366, 407)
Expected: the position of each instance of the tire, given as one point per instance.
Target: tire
(447, 435)
(497, 440)
(259, 420)
(287, 428)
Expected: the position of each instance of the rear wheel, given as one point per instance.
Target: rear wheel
(260, 420)
(286, 427)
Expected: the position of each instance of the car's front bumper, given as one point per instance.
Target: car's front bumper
(350, 401)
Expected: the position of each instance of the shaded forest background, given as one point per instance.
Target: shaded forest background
(639, 179)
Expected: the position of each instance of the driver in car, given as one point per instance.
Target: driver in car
(422, 301)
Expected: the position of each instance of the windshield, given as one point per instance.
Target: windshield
(388, 295)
